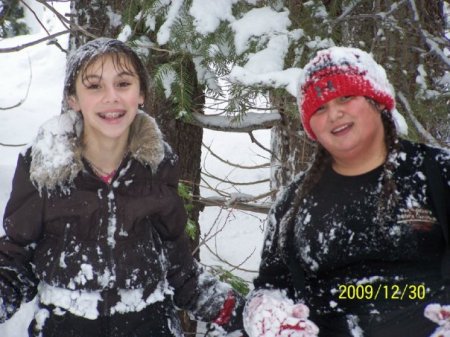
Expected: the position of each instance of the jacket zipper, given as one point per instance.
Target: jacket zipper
(60, 250)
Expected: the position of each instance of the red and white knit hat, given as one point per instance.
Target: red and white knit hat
(341, 71)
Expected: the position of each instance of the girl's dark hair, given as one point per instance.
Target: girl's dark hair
(122, 56)
(387, 198)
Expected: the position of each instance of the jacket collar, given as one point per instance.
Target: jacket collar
(56, 151)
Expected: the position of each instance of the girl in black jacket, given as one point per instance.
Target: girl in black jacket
(358, 238)
(94, 224)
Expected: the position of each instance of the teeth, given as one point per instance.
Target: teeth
(111, 115)
(340, 128)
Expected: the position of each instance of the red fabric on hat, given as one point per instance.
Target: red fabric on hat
(329, 83)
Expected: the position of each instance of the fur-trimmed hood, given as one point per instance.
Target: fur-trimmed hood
(57, 149)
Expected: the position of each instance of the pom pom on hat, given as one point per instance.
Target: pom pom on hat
(341, 71)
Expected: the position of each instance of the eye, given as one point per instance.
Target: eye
(123, 84)
(344, 99)
(93, 86)
(320, 110)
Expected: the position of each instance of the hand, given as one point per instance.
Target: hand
(440, 315)
(271, 313)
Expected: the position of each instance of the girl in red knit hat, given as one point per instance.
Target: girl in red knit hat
(359, 243)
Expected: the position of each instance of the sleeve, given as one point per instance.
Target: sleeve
(22, 224)
(274, 272)
(201, 294)
(442, 157)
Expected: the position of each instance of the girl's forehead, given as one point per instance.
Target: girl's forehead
(121, 63)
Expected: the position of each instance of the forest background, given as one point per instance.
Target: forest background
(225, 79)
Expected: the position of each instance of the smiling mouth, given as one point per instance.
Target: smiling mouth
(341, 129)
(111, 115)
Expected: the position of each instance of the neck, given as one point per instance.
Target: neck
(363, 163)
(106, 155)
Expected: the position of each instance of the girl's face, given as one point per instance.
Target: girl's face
(349, 127)
(107, 94)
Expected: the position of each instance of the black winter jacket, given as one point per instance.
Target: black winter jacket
(68, 230)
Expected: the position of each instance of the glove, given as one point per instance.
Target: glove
(229, 321)
(440, 315)
(270, 313)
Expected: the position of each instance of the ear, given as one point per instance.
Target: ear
(73, 103)
(141, 99)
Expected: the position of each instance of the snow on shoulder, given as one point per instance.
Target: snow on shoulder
(52, 151)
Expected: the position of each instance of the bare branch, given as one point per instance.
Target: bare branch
(243, 206)
(65, 21)
(248, 122)
(254, 140)
(209, 235)
(35, 16)
(236, 183)
(233, 164)
(234, 267)
(32, 43)
(12, 145)
(428, 38)
(23, 99)
(416, 122)
(384, 16)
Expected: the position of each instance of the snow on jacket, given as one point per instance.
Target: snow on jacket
(122, 244)
(338, 243)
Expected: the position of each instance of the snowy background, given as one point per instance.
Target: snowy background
(35, 76)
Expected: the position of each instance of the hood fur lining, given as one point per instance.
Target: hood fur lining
(57, 149)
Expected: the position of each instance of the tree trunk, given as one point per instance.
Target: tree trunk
(291, 148)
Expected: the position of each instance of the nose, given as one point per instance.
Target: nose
(334, 112)
(110, 94)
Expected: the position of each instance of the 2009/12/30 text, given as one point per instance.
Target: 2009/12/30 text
(393, 292)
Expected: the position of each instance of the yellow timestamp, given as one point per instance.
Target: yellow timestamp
(381, 291)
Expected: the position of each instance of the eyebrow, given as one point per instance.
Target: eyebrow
(99, 77)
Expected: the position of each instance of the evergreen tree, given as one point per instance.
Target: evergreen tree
(406, 37)
(11, 14)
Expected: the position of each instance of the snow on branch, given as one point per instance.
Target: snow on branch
(419, 127)
(246, 123)
(240, 201)
(236, 203)
(427, 37)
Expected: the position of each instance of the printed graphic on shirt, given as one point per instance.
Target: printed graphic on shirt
(419, 219)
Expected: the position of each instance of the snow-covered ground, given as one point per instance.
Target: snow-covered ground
(35, 75)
